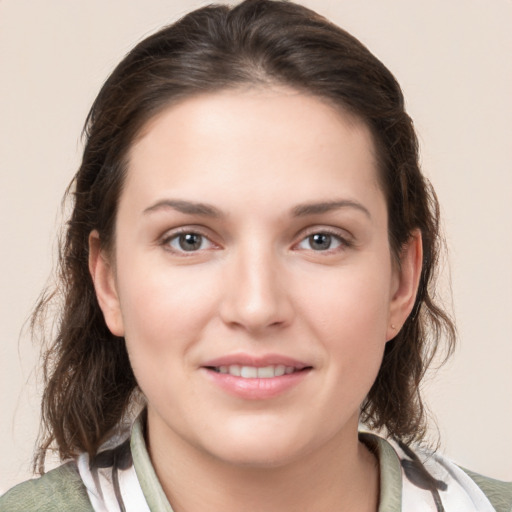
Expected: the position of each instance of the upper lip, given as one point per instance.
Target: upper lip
(256, 361)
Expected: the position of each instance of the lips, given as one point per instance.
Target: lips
(254, 372)
(259, 378)
(255, 361)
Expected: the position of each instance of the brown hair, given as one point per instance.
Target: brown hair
(89, 382)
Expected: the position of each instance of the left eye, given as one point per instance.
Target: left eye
(188, 242)
(320, 242)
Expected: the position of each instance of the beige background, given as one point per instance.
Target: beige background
(453, 59)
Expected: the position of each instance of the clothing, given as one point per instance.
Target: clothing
(122, 479)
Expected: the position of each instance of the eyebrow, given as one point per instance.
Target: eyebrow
(208, 210)
(187, 207)
(303, 210)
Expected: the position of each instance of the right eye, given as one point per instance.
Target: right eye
(188, 241)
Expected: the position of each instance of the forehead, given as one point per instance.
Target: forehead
(254, 142)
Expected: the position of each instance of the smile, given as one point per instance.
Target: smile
(254, 372)
(256, 378)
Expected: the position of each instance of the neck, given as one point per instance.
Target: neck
(341, 475)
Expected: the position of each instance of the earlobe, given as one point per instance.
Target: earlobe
(103, 277)
(406, 282)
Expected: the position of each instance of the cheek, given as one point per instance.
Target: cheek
(349, 315)
(350, 302)
(164, 310)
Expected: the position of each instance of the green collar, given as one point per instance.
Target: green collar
(153, 492)
(390, 471)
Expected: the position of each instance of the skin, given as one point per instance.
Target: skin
(256, 284)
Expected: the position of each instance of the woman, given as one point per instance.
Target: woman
(249, 265)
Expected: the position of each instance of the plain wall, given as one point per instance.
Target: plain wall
(453, 60)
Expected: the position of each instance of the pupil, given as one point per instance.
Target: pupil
(320, 241)
(190, 241)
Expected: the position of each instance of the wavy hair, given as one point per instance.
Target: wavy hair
(89, 383)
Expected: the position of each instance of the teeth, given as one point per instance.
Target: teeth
(266, 372)
(234, 369)
(252, 372)
(280, 370)
(248, 372)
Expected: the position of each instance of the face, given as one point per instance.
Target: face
(252, 277)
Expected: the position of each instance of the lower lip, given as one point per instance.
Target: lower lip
(256, 389)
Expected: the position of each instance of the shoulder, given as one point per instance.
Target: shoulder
(455, 484)
(412, 475)
(58, 490)
(499, 493)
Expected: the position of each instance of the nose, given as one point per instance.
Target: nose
(255, 294)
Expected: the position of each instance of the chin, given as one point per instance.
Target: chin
(258, 457)
(258, 447)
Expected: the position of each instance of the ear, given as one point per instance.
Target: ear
(103, 277)
(405, 284)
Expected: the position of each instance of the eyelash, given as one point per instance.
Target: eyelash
(175, 236)
(342, 242)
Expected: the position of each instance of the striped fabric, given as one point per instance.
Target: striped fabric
(122, 479)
